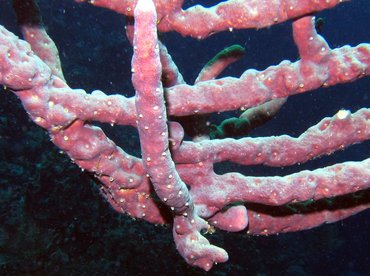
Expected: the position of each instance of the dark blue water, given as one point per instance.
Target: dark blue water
(53, 220)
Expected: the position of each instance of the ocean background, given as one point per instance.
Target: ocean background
(53, 221)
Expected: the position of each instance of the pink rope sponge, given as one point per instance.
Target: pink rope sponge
(174, 181)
